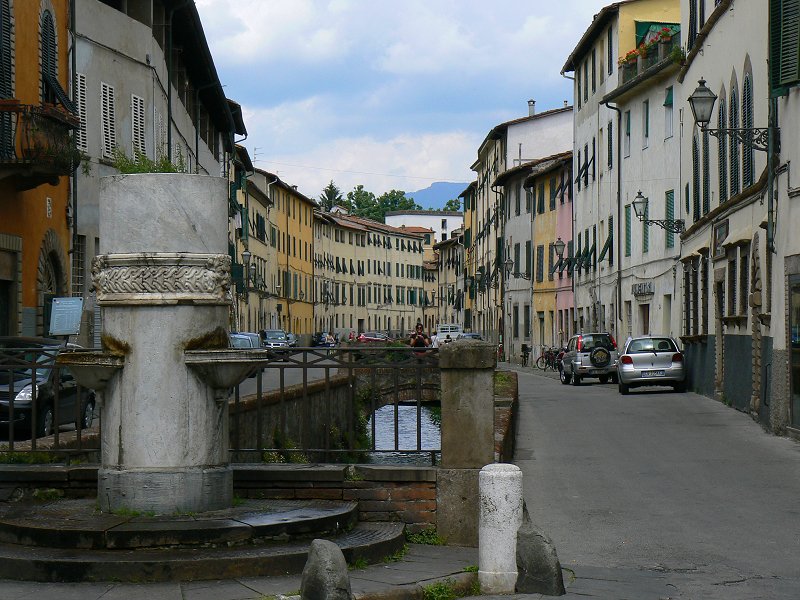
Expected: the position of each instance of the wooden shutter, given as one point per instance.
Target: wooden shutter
(733, 123)
(695, 179)
(669, 202)
(540, 263)
(785, 41)
(80, 98)
(722, 152)
(628, 230)
(748, 165)
(706, 175)
(108, 119)
(610, 51)
(646, 230)
(6, 52)
(137, 124)
(610, 158)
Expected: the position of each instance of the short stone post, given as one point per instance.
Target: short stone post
(500, 519)
(467, 368)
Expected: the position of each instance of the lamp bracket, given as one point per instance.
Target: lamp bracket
(756, 138)
(676, 226)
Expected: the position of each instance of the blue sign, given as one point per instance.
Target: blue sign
(65, 318)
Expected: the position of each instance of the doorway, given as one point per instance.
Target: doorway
(644, 318)
(794, 347)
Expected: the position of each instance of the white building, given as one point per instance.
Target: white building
(441, 222)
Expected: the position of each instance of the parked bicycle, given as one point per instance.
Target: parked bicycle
(526, 353)
(548, 359)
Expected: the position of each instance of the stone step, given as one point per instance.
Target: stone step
(77, 524)
(368, 541)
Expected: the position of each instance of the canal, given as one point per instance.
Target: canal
(406, 451)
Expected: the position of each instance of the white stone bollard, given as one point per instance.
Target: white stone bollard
(500, 489)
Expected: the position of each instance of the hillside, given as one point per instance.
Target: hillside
(437, 194)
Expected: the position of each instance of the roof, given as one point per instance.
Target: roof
(534, 167)
(238, 119)
(243, 156)
(373, 225)
(290, 188)
(471, 186)
(415, 229)
(446, 213)
(498, 131)
(600, 20)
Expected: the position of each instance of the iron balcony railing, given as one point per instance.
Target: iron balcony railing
(35, 141)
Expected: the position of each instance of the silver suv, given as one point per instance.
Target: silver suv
(589, 355)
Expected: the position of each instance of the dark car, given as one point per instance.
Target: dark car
(589, 355)
(29, 377)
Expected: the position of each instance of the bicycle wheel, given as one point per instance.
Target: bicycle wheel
(541, 363)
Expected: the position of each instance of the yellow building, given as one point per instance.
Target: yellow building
(37, 157)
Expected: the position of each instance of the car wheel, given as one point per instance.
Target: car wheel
(563, 376)
(576, 380)
(85, 419)
(603, 378)
(624, 388)
(614, 378)
(44, 424)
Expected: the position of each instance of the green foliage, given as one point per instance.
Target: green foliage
(427, 536)
(397, 555)
(453, 204)
(441, 590)
(46, 494)
(331, 196)
(363, 203)
(141, 163)
(286, 452)
(435, 413)
(677, 55)
(358, 564)
(471, 569)
(237, 500)
(26, 458)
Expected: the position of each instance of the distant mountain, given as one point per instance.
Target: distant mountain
(437, 194)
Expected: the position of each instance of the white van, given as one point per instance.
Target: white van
(448, 332)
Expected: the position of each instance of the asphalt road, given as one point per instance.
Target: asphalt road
(677, 485)
(292, 374)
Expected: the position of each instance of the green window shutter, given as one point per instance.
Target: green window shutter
(540, 263)
(722, 153)
(668, 97)
(610, 49)
(610, 157)
(733, 123)
(695, 179)
(628, 230)
(553, 187)
(611, 237)
(528, 257)
(540, 199)
(785, 42)
(646, 230)
(516, 259)
(706, 175)
(578, 178)
(669, 201)
(748, 166)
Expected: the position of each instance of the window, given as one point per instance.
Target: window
(669, 202)
(733, 123)
(594, 70)
(784, 44)
(137, 124)
(744, 279)
(586, 81)
(516, 321)
(695, 179)
(108, 120)
(706, 192)
(553, 190)
(722, 152)
(444, 224)
(668, 114)
(646, 230)
(627, 230)
(550, 260)
(578, 178)
(517, 206)
(732, 284)
(748, 165)
(528, 200)
(528, 258)
(49, 57)
(645, 123)
(578, 83)
(80, 99)
(626, 141)
(594, 153)
(516, 259)
(79, 266)
(540, 198)
(6, 49)
(610, 157)
(540, 262)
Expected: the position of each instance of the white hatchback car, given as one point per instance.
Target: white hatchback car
(651, 360)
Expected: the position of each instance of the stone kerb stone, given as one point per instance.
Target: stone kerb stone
(500, 519)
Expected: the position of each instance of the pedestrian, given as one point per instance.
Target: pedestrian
(434, 340)
(419, 339)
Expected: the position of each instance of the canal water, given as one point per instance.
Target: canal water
(407, 436)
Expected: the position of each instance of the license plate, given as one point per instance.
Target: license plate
(652, 373)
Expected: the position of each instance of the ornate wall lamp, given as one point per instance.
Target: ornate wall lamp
(765, 139)
(640, 204)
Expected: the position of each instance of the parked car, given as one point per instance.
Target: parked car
(373, 337)
(28, 370)
(275, 339)
(589, 355)
(469, 336)
(292, 339)
(245, 340)
(651, 360)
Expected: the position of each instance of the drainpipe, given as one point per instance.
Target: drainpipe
(172, 12)
(619, 211)
(773, 146)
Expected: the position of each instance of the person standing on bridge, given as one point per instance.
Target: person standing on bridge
(419, 339)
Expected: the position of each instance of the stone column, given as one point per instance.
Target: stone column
(467, 436)
(163, 284)
(500, 519)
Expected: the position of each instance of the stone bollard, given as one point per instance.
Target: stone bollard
(500, 487)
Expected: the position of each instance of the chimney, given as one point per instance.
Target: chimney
(566, 104)
(531, 107)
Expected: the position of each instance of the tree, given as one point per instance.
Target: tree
(453, 204)
(395, 200)
(363, 203)
(331, 196)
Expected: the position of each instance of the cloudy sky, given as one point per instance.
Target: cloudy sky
(388, 94)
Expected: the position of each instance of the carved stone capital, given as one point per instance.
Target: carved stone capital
(162, 279)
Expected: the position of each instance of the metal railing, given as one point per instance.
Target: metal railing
(42, 407)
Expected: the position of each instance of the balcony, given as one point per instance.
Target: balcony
(35, 143)
(648, 56)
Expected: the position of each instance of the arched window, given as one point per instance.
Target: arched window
(722, 151)
(748, 164)
(695, 179)
(49, 55)
(6, 79)
(733, 123)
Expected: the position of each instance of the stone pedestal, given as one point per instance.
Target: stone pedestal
(500, 519)
(163, 283)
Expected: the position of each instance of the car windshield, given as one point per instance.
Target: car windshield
(591, 342)
(240, 342)
(275, 335)
(651, 345)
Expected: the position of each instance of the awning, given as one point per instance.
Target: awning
(738, 237)
(695, 244)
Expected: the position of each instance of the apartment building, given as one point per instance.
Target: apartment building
(37, 118)
(368, 276)
(611, 151)
(507, 145)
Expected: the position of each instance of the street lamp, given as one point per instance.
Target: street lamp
(559, 246)
(509, 265)
(640, 204)
(765, 139)
(246, 255)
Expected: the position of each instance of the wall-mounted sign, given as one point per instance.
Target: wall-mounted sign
(642, 289)
(65, 318)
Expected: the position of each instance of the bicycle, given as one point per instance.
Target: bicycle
(526, 352)
(547, 360)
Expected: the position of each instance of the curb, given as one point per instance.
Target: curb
(462, 584)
